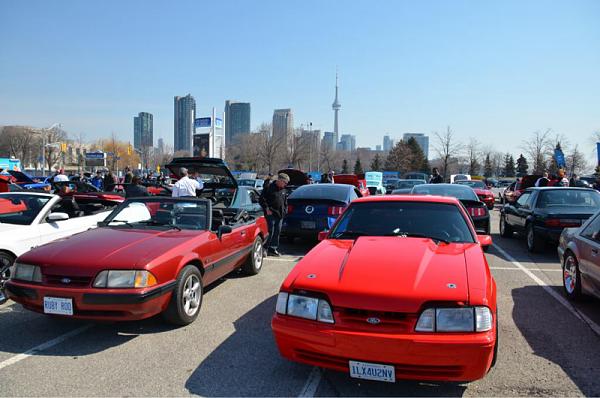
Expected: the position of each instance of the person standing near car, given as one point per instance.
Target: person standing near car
(135, 190)
(563, 181)
(273, 201)
(543, 180)
(97, 180)
(109, 181)
(267, 181)
(436, 178)
(186, 186)
(61, 177)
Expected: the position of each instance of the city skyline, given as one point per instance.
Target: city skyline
(496, 72)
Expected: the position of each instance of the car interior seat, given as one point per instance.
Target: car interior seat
(163, 217)
(218, 219)
(192, 217)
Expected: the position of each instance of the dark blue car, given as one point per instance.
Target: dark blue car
(315, 207)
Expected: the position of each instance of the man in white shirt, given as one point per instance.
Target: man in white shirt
(61, 176)
(186, 186)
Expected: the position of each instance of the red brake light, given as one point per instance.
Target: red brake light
(557, 222)
(476, 211)
(290, 209)
(335, 210)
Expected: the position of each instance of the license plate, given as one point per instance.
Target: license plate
(308, 224)
(372, 371)
(59, 306)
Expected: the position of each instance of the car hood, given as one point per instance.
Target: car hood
(362, 275)
(349, 179)
(297, 177)
(86, 253)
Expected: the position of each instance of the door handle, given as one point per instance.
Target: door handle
(594, 252)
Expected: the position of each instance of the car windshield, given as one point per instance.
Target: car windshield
(569, 197)
(321, 191)
(473, 184)
(246, 183)
(20, 209)
(161, 212)
(454, 190)
(403, 184)
(441, 222)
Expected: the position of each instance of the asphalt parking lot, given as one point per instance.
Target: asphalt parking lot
(548, 346)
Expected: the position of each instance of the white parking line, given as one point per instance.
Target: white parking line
(284, 259)
(537, 269)
(44, 346)
(593, 325)
(312, 383)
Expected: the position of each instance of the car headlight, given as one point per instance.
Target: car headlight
(124, 279)
(464, 319)
(304, 307)
(26, 272)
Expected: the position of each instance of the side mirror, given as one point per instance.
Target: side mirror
(222, 230)
(485, 241)
(322, 235)
(53, 217)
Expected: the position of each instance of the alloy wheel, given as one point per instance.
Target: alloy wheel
(191, 295)
(570, 274)
(258, 254)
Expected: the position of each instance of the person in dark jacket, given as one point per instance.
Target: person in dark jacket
(109, 181)
(268, 181)
(135, 190)
(273, 200)
(436, 178)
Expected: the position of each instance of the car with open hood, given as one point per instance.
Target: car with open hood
(353, 179)
(298, 178)
(151, 255)
(26, 181)
(399, 288)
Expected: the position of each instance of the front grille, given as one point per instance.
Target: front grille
(389, 322)
(73, 281)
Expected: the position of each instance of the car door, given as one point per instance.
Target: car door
(520, 211)
(588, 243)
(50, 231)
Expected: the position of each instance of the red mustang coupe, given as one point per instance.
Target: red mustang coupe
(398, 289)
(481, 190)
(149, 256)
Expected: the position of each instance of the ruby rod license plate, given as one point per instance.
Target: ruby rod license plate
(58, 306)
(372, 371)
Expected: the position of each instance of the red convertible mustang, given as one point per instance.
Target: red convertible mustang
(149, 256)
(398, 289)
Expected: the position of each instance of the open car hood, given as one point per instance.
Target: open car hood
(207, 166)
(21, 177)
(297, 177)
(350, 179)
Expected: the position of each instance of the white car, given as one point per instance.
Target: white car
(29, 219)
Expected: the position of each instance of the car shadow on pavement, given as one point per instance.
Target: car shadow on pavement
(517, 248)
(558, 336)
(248, 363)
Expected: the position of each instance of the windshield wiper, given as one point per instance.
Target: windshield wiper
(123, 221)
(349, 234)
(418, 235)
(152, 222)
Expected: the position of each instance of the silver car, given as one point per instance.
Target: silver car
(579, 254)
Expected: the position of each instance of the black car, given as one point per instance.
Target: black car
(476, 208)
(542, 213)
(404, 187)
(314, 208)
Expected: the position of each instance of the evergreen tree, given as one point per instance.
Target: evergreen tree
(399, 158)
(522, 166)
(487, 167)
(376, 163)
(417, 158)
(509, 168)
(345, 167)
(358, 167)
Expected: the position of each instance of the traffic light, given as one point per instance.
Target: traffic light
(158, 169)
(129, 149)
(63, 147)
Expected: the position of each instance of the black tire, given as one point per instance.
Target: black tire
(176, 313)
(6, 261)
(254, 263)
(506, 231)
(534, 243)
(571, 277)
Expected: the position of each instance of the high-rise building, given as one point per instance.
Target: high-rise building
(283, 126)
(237, 120)
(329, 140)
(336, 106)
(347, 143)
(143, 131)
(388, 143)
(310, 140)
(378, 148)
(161, 146)
(185, 112)
(421, 139)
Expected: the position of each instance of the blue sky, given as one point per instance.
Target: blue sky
(496, 71)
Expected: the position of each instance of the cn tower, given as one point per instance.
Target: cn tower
(336, 107)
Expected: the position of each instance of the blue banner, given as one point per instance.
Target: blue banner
(202, 122)
(560, 158)
(598, 152)
(218, 123)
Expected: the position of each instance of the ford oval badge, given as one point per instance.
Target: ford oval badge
(451, 286)
(309, 209)
(374, 321)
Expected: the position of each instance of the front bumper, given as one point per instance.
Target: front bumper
(441, 357)
(96, 304)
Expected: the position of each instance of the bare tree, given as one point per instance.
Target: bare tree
(576, 162)
(54, 138)
(269, 147)
(474, 156)
(539, 148)
(446, 148)
(18, 142)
